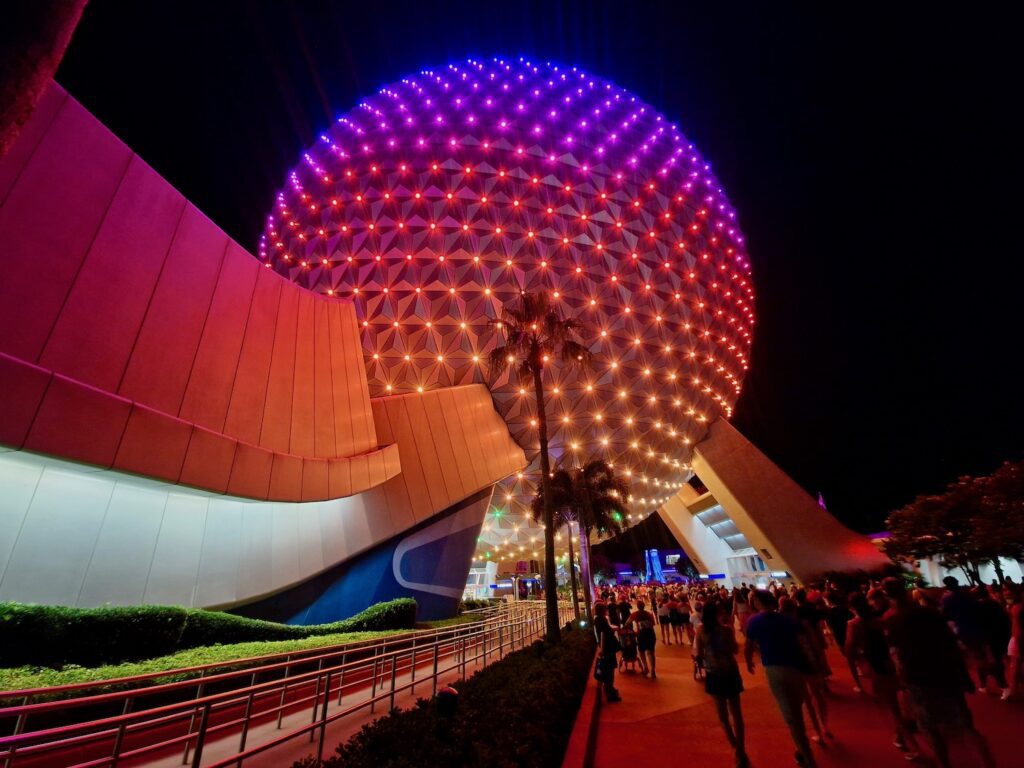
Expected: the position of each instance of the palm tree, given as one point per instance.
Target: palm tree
(594, 496)
(562, 519)
(535, 335)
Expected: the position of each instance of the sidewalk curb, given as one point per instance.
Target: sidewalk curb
(583, 740)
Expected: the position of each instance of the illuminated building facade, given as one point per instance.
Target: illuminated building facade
(301, 433)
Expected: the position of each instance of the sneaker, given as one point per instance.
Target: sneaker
(1006, 695)
(857, 689)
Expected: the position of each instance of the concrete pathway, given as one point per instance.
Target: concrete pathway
(671, 721)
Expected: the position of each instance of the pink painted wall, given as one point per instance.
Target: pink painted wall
(135, 334)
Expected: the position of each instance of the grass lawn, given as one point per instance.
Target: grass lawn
(19, 678)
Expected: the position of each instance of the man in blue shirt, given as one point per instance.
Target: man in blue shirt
(784, 659)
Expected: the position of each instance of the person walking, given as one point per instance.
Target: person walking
(646, 639)
(608, 646)
(715, 645)
(865, 641)
(664, 619)
(1015, 599)
(932, 671)
(778, 639)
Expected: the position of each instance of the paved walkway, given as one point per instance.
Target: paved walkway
(671, 721)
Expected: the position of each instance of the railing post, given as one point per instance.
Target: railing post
(204, 719)
(119, 739)
(19, 726)
(316, 703)
(435, 669)
(192, 719)
(373, 690)
(413, 670)
(245, 718)
(394, 663)
(284, 690)
(341, 678)
(501, 642)
(323, 719)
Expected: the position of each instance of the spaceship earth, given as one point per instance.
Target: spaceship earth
(451, 192)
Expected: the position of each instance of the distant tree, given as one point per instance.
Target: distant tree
(595, 497)
(999, 522)
(536, 336)
(976, 521)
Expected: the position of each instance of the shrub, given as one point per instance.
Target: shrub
(55, 636)
(516, 713)
(21, 678)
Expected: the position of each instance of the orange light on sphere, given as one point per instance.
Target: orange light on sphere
(451, 192)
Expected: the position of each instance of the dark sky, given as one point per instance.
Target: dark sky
(873, 154)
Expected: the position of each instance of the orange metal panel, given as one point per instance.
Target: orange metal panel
(78, 422)
(339, 478)
(277, 412)
(23, 389)
(323, 399)
(48, 221)
(286, 478)
(340, 373)
(301, 443)
(18, 154)
(213, 372)
(250, 473)
(97, 327)
(362, 414)
(153, 445)
(433, 469)
(160, 363)
(249, 393)
(208, 460)
(314, 480)
(457, 439)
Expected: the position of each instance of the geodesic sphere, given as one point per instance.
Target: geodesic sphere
(449, 193)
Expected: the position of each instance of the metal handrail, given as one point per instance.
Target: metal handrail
(398, 661)
(256, 661)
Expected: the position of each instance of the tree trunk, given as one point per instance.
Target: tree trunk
(572, 577)
(999, 571)
(33, 38)
(587, 577)
(550, 573)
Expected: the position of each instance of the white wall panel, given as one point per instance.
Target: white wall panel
(175, 566)
(218, 565)
(57, 540)
(18, 481)
(254, 575)
(124, 549)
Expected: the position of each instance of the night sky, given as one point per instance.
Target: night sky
(874, 160)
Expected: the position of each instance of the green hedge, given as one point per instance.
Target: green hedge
(55, 636)
(235, 656)
(474, 604)
(516, 713)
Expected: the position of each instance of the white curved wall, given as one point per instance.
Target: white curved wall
(71, 534)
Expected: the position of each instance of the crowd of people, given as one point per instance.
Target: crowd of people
(916, 651)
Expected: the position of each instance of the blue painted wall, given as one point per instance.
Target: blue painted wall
(356, 584)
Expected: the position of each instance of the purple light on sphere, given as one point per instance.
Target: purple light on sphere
(449, 193)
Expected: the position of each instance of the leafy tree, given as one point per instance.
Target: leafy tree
(594, 497)
(974, 522)
(535, 336)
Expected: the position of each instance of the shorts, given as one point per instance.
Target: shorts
(934, 707)
(646, 640)
(725, 683)
(663, 619)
